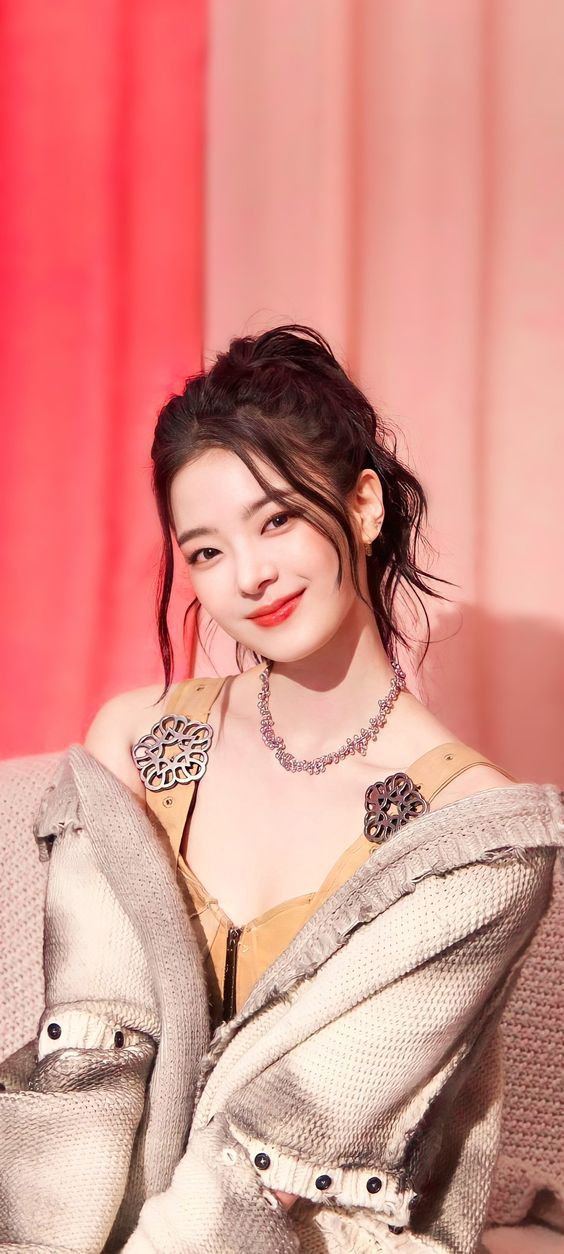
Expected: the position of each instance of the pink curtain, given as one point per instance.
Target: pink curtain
(392, 171)
(101, 157)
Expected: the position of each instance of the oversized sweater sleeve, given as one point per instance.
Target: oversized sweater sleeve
(371, 1091)
(77, 1152)
(73, 1097)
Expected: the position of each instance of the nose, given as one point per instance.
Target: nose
(254, 572)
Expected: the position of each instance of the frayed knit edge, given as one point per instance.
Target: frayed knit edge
(454, 839)
(58, 811)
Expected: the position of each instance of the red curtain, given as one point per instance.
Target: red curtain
(101, 149)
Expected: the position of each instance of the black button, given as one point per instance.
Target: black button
(323, 1182)
(54, 1031)
(396, 1230)
(374, 1184)
(262, 1161)
(118, 1039)
(2, 1087)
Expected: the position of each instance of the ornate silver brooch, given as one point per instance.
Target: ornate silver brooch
(399, 791)
(175, 751)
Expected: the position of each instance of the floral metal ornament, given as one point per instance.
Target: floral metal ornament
(396, 790)
(159, 766)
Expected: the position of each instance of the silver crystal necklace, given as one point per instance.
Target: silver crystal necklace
(353, 744)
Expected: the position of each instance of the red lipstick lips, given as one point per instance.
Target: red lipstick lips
(277, 612)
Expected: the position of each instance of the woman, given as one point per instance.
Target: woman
(325, 531)
(356, 945)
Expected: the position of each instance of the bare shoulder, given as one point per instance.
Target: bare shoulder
(475, 779)
(118, 724)
(424, 731)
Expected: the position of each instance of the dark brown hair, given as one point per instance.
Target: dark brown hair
(282, 397)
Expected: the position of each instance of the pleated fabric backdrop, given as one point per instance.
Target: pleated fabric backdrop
(391, 173)
(102, 150)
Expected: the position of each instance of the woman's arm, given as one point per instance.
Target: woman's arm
(83, 1108)
(73, 1098)
(115, 728)
(386, 1041)
(355, 1094)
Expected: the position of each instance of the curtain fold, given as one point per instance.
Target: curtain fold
(393, 173)
(102, 134)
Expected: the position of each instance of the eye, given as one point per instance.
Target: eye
(285, 516)
(192, 560)
(281, 518)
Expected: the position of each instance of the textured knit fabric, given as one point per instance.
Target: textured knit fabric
(368, 1051)
(531, 1158)
(263, 939)
(22, 892)
(78, 1120)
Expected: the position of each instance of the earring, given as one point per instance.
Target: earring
(368, 549)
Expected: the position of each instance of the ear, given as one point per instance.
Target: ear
(366, 505)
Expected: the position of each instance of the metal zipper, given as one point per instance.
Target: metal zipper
(230, 976)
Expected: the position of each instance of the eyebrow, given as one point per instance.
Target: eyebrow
(246, 513)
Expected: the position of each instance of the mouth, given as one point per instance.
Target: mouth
(277, 612)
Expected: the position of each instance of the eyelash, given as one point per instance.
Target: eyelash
(192, 559)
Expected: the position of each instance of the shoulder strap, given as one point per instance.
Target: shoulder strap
(439, 766)
(193, 698)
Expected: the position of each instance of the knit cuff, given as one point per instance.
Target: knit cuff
(369, 1187)
(80, 1029)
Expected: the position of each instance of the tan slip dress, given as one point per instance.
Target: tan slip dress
(235, 956)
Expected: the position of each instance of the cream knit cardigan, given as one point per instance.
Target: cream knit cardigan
(363, 1072)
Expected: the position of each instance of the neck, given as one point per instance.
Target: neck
(319, 700)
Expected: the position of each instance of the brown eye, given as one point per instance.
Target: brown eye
(284, 518)
(192, 560)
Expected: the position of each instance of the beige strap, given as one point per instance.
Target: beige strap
(439, 766)
(193, 698)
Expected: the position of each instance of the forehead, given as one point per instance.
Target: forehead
(217, 480)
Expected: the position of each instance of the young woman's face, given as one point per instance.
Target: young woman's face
(249, 554)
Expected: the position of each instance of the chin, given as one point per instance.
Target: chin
(293, 648)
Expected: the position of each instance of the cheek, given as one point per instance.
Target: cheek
(211, 591)
(314, 553)
(324, 568)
